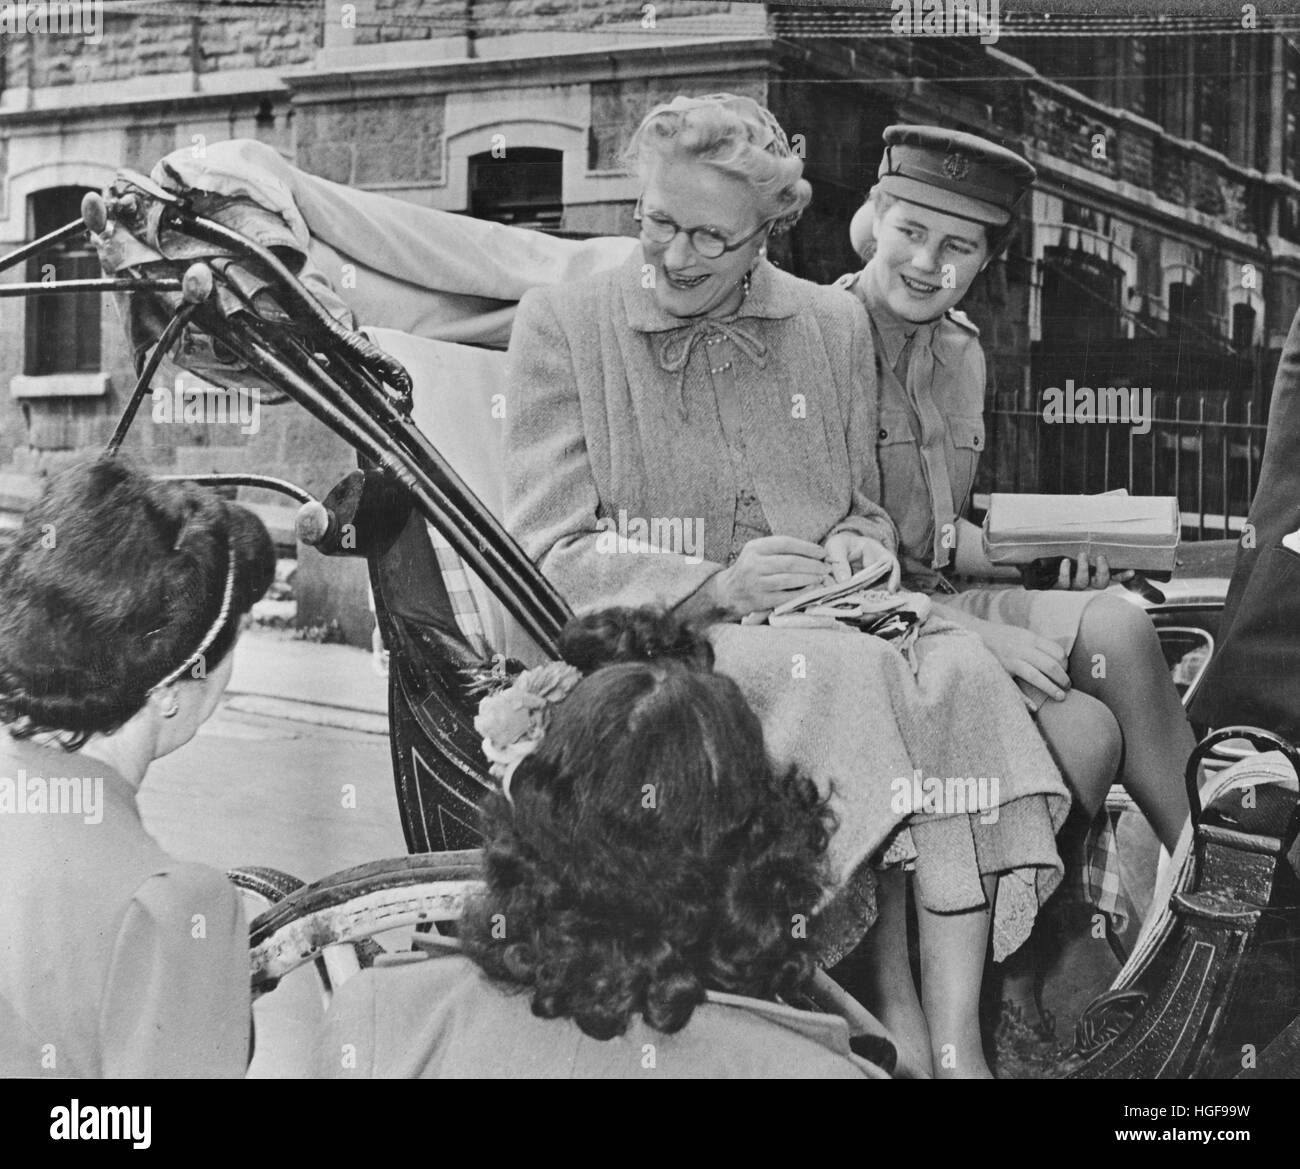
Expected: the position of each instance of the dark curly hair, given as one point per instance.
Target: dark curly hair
(652, 851)
(606, 636)
(110, 585)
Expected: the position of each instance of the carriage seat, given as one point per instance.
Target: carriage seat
(453, 404)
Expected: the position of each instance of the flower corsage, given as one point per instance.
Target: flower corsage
(513, 721)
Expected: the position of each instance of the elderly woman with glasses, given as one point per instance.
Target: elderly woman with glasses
(695, 430)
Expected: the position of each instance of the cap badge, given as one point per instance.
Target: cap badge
(956, 166)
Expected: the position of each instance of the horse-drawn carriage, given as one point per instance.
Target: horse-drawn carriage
(247, 275)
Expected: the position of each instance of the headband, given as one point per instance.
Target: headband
(227, 600)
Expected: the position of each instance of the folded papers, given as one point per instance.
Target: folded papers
(884, 569)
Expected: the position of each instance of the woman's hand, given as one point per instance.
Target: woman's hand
(849, 551)
(768, 572)
(1037, 660)
(1080, 574)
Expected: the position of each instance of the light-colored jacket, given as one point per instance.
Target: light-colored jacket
(116, 960)
(442, 1018)
(610, 419)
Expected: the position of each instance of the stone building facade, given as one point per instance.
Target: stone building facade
(1162, 245)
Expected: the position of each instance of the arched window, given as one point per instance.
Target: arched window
(62, 328)
(523, 186)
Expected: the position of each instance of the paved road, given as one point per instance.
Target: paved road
(251, 789)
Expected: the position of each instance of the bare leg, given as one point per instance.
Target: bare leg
(953, 951)
(1117, 659)
(892, 992)
(1084, 739)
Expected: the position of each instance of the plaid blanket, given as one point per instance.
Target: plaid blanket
(1093, 877)
(464, 605)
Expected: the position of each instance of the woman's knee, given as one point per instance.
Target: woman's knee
(1085, 740)
(1112, 626)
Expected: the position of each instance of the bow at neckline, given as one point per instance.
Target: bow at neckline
(676, 348)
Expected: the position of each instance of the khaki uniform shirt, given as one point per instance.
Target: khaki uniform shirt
(944, 421)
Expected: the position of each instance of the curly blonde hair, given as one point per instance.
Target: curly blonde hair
(734, 135)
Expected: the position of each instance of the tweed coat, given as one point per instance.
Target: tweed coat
(611, 417)
(597, 422)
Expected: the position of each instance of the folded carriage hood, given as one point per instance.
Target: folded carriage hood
(392, 263)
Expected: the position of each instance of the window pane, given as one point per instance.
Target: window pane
(524, 187)
(62, 328)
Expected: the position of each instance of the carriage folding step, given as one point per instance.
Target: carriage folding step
(1172, 1034)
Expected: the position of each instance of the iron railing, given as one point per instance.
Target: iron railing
(1194, 450)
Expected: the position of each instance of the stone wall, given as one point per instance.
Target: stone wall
(140, 45)
(619, 104)
(13, 420)
(404, 20)
(374, 141)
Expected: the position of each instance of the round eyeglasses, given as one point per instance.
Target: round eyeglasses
(705, 241)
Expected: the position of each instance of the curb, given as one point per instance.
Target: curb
(344, 718)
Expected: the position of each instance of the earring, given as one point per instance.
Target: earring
(171, 704)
